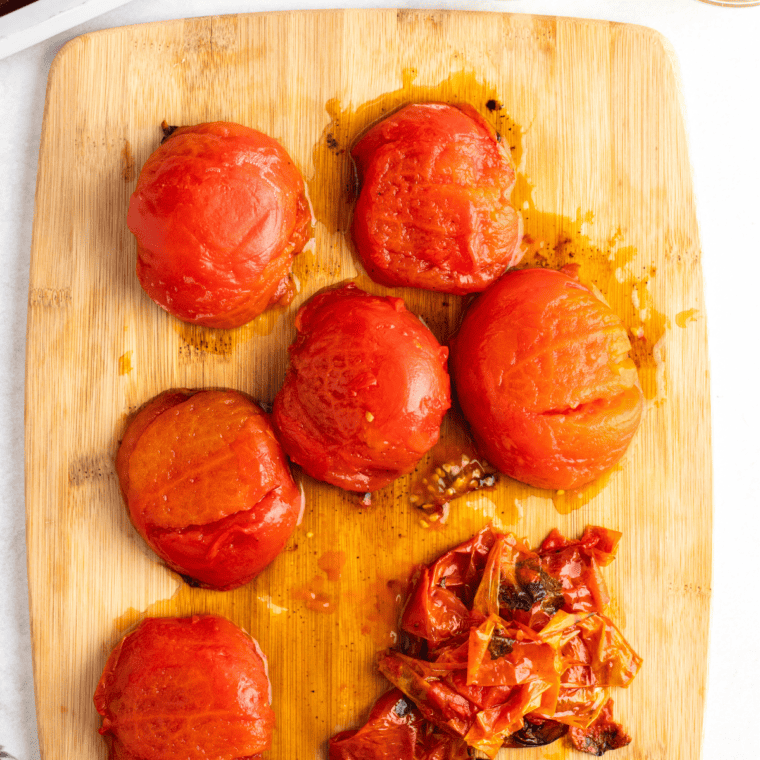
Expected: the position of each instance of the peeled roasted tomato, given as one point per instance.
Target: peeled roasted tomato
(434, 210)
(365, 392)
(542, 373)
(207, 485)
(186, 689)
(219, 212)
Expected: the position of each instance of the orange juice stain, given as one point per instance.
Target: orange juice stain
(511, 513)
(503, 513)
(127, 619)
(331, 564)
(125, 363)
(566, 502)
(250, 606)
(127, 162)
(554, 752)
(316, 595)
(684, 317)
(207, 340)
(379, 607)
(316, 266)
(188, 600)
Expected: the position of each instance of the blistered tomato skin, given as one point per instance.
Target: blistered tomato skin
(435, 208)
(185, 689)
(543, 376)
(365, 392)
(207, 485)
(219, 212)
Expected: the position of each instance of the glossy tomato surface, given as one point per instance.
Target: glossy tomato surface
(435, 208)
(219, 212)
(185, 689)
(365, 392)
(544, 378)
(207, 485)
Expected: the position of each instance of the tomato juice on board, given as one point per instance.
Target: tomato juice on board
(268, 603)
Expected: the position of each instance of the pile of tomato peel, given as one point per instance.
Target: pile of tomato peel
(507, 647)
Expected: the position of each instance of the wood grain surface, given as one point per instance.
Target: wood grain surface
(592, 113)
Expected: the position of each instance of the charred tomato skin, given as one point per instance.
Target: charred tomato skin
(435, 210)
(185, 689)
(543, 376)
(207, 485)
(390, 732)
(603, 735)
(537, 732)
(365, 392)
(395, 730)
(219, 212)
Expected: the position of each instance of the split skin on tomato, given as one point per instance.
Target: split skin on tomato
(186, 689)
(435, 207)
(365, 392)
(543, 375)
(219, 212)
(207, 485)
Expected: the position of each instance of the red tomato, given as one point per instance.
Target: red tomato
(219, 212)
(435, 210)
(365, 392)
(186, 689)
(207, 485)
(543, 376)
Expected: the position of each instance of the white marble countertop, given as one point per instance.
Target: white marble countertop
(718, 50)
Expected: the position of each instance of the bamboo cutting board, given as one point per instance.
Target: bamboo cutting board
(591, 111)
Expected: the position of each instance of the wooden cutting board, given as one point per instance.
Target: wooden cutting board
(592, 113)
